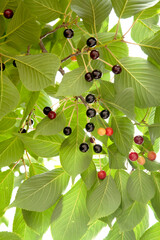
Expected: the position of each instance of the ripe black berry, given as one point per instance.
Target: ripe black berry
(89, 77)
(22, 130)
(97, 148)
(14, 63)
(90, 127)
(104, 114)
(46, 110)
(67, 131)
(92, 139)
(94, 54)
(116, 69)
(8, 13)
(138, 140)
(90, 98)
(91, 42)
(68, 33)
(3, 67)
(96, 74)
(91, 113)
(83, 147)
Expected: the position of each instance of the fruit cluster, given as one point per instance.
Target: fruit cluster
(48, 111)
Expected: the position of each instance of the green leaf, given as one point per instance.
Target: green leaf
(107, 90)
(23, 29)
(74, 83)
(129, 8)
(9, 235)
(11, 4)
(89, 175)
(152, 233)
(72, 159)
(100, 197)
(137, 73)
(70, 215)
(8, 121)
(142, 226)
(37, 71)
(131, 216)
(45, 11)
(123, 130)
(6, 186)
(51, 126)
(156, 199)
(94, 13)
(2, 24)
(36, 168)
(42, 146)
(150, 12)
(121, 179)
(40, 192)
(116, 159)
(154, 131)
(9, 96)
(11, 150)
(140, 186)
(151, 165)
(115, 234)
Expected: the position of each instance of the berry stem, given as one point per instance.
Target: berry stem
(25, 168)
(71, 116)
(105, 62)
(74, 49)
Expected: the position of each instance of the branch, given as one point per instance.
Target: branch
(54, 30)
(74, 54)
(42, 46)
(61, 71)
(83, 100)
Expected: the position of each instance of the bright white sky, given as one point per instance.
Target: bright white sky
(134, 51)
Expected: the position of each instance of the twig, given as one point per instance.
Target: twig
(54, 30)
(61, 71)
(28, 49)
(74, 54)
(42, 46)
(83, 100)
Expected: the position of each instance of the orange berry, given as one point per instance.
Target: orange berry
(73, 58)
(151, 156)
(101, 131)
(141, 160)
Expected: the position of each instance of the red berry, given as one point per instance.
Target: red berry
(151, 156)
(138, 140)
(109, 131)
(116, 69)
(101, 174)
(133, 156)
(52, 115)
(8, 13)
(92, 139)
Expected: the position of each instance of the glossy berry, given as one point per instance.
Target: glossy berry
(90, 127)
(101, 131)
(91, 42)
(96, 74)
(109, 131)
(133, 156)
(94, 54)
(92, 139)
(83, 147)
(67, 131)
(116, 69)
(101, 174)
(151, 155)
(22, 130)
(14, 63)
(104, 114)
(52, 115)
(91, 113)
(68, 33)
(46, 110)
(97, 148)
(90, 98)
(89, 77)
(8, 13)
(141, 160)
(3, 67)
(138, 140)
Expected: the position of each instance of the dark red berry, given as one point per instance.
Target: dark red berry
(116, 69)
(52, 115)
(89, 77)
(14, 63)
(8, 13)
(67, 131)
(46, 110)
(68, 33)
(94, 54)
(83, 147)
(138, 140)
(104, 114)
(90, 127)
(101, 174)
(3, 67)
(96, 74)
(109, 131)
(97, 148)
(90, 98)
(91, 42)
(92, 139)
(133, 156)
(22, 130)
(91, 112)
